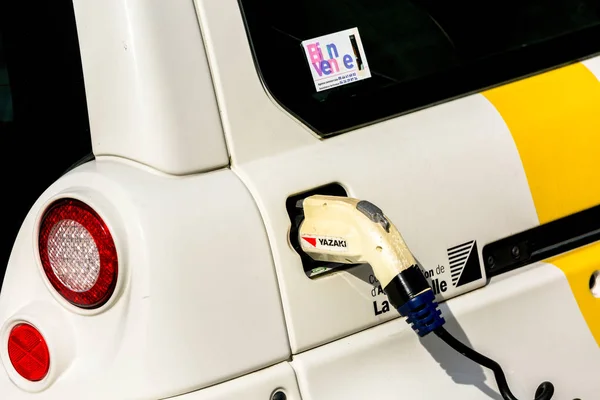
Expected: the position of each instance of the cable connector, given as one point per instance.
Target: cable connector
(410, 293)
(422, 313)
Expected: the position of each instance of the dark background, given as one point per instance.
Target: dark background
(49, 130)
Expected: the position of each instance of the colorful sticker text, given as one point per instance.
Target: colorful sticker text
(336, 59)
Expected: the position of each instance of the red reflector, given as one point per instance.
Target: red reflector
(28, 352)
(78, 253)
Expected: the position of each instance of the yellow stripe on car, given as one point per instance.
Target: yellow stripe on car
(554, 119)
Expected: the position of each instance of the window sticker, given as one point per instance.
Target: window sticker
(336, 59)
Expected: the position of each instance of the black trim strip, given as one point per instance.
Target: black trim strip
(542, 242)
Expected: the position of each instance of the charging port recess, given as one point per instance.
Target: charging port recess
(295, 212)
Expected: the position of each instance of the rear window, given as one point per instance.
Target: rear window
(418, 52)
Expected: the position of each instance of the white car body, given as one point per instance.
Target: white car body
(193, 164)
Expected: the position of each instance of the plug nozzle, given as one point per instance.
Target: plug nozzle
(353, 231)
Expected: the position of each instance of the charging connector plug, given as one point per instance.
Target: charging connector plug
(350, 231)
(410, 294)
(346, 230)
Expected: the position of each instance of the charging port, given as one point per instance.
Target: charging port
(293, 205)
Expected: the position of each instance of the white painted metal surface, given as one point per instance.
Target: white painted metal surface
(254, 125)
(260, 385)
(528, 321)
(148, 86)
(199, 304)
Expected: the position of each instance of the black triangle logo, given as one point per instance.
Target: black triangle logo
(463, 261)
(472, 270)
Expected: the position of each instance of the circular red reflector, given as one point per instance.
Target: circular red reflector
(78, 253)
(28, 352)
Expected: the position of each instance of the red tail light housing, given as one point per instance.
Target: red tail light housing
(28, 352)
(78, 253)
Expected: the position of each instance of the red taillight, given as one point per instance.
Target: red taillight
(28, 352)
(78, 253)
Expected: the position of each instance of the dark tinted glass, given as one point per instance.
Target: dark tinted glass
(44, 125)
(420, 52)
(5, 97)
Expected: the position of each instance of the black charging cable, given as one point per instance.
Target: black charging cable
(411, 295)
(544, 392)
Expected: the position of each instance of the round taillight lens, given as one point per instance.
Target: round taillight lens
(78, 253)
(28, 352)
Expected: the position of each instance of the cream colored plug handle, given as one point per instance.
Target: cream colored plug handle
(351, 231)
